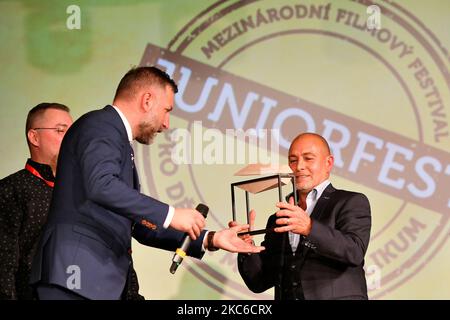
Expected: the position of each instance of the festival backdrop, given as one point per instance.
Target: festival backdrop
(371, 76)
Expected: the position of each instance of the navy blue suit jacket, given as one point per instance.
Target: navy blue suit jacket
(96, 209)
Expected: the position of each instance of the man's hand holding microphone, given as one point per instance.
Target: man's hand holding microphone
(193, 221)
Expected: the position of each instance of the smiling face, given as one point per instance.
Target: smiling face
(310, 160)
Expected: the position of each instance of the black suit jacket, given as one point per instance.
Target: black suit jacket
(329, 261)
(96, 209)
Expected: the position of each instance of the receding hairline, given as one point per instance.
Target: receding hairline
(38, 111)
(323, 141)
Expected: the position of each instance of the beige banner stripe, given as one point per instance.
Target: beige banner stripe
(380, 159)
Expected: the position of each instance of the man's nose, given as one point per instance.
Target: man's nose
(300, 165)
(166, 122)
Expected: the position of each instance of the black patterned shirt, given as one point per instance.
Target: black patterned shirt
(24, 204)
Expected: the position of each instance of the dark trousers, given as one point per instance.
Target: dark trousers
(55, 292)
(46, 291)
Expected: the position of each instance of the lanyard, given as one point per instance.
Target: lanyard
(34, 172)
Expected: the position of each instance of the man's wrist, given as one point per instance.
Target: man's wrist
(309, 227)
(210, 241)
(169, 217)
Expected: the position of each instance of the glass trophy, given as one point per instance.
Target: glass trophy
(269, 177)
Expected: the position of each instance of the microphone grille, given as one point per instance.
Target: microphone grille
(203, 209)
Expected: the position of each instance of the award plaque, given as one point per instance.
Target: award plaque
(270, 177)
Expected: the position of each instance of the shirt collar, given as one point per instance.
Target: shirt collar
(125, 123)
(44, 169)
(320, 188)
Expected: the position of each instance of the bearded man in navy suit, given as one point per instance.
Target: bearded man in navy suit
(97, 207)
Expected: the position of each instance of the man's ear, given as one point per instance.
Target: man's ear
(146, 101)
(330, 162)
(33, 137)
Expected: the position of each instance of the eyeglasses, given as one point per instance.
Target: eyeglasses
(58, 129)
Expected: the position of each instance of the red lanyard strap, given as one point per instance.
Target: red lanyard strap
(34, 172)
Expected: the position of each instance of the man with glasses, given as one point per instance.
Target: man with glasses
(25, 198)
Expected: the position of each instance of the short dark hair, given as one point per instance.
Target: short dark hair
(141, 76)
(38, 110)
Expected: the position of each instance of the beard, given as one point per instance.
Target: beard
(147, 132)
(305, 186)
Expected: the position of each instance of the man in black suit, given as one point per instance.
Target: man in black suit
(318, 247)
(85, 250)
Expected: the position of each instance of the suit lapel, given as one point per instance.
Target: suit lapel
(322, 202)
(317, 212)
(136, 184)
(130, 152)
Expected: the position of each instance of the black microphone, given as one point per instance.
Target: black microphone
(180, 253)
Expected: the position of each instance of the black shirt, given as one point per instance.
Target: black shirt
(24, 204)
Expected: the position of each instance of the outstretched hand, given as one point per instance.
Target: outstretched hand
(247, 238)
(228, 239)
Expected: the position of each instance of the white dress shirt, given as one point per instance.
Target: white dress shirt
(311, 201)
